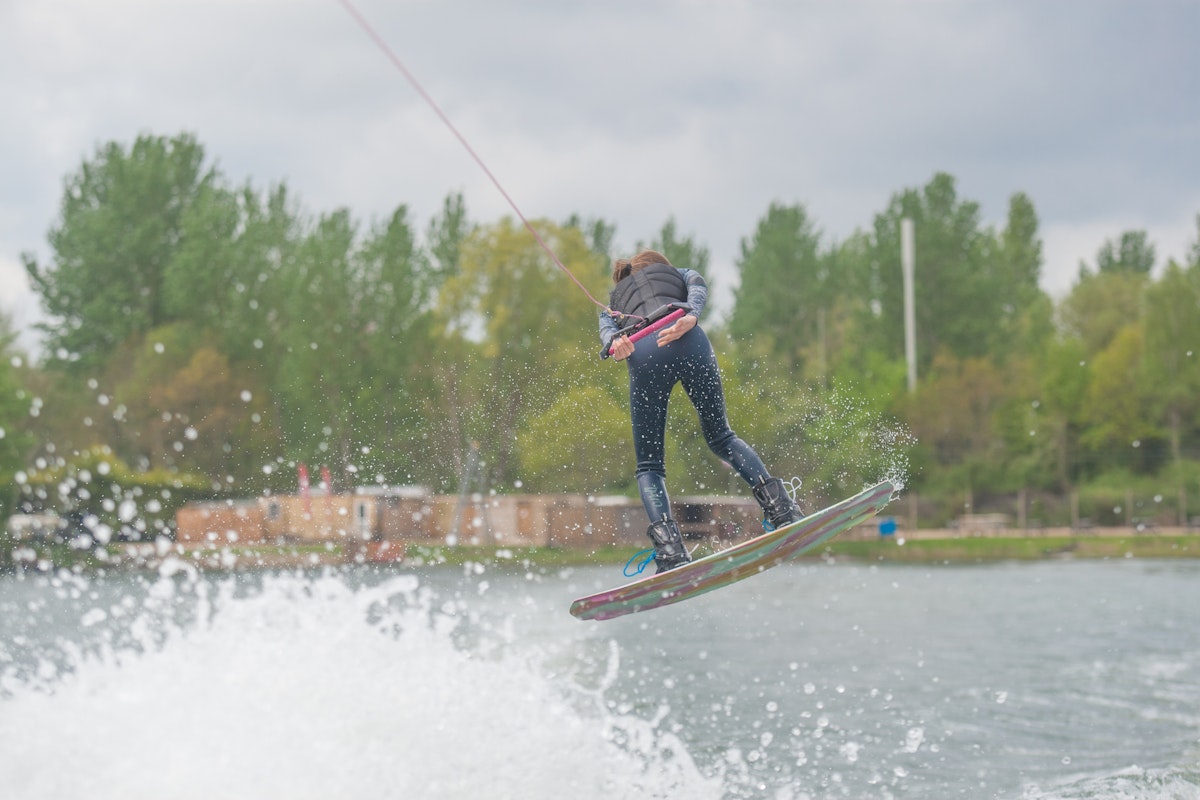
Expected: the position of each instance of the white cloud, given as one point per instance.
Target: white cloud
(631, 111)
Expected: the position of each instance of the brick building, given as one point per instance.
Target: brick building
(411, 515)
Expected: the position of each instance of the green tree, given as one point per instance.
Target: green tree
(581, 443)
(135, 423)
(1118, 423)
(449, 353)
(535, 331)
(1133, 252)
(849, 346)
(1172, 352)
(954, 417)
(682, 251)
(1193, 256)
(97, 488)
(966, 290)
(445, 236)
(396, 393)
(1020, 254)
(17, 438)
(1104, 301)
(1026, 312)
(1100, 305)
(599, 233)
(318, 347)
(782, 300)
(225, 274)
(1063, 373)
(188, 409)
(355, 331)
(120, 223)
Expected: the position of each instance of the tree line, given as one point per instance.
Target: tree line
(220, 332)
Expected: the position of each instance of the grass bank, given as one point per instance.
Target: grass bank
(964, 550)
(883, 550)
(986, 549)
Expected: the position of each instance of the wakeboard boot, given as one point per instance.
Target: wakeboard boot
(669, 551)
(779, 509)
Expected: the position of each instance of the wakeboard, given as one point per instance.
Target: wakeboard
(735, 563)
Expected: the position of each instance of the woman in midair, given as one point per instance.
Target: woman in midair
(681, 353)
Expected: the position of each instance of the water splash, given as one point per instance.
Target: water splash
(308, 688)
(1134, 783)
(850, 444)
(809, 682)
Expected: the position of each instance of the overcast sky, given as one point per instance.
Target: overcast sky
(629, 111)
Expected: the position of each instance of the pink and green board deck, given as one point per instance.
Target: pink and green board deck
(737, 562)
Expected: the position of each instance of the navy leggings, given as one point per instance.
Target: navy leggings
(653, 373)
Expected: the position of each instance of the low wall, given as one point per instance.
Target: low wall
(579, 521)
(220, 523)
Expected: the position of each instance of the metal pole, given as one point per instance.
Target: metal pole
(908, 266)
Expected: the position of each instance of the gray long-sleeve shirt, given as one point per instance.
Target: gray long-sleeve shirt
(697, 298)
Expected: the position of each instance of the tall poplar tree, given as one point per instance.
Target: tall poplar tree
(1172, 353)
(120, 223)
(782, 290)
(960, 290)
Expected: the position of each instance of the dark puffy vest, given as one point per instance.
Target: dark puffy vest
(643, 292)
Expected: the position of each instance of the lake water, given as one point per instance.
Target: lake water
(1066, 679)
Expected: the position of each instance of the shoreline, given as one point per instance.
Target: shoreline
(920, 547)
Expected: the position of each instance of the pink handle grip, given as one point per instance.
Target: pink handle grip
(669, 319)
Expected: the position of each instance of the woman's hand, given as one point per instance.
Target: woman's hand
(621, 348)
(682, 326)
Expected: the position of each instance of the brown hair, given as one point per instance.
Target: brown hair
(624, 267)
